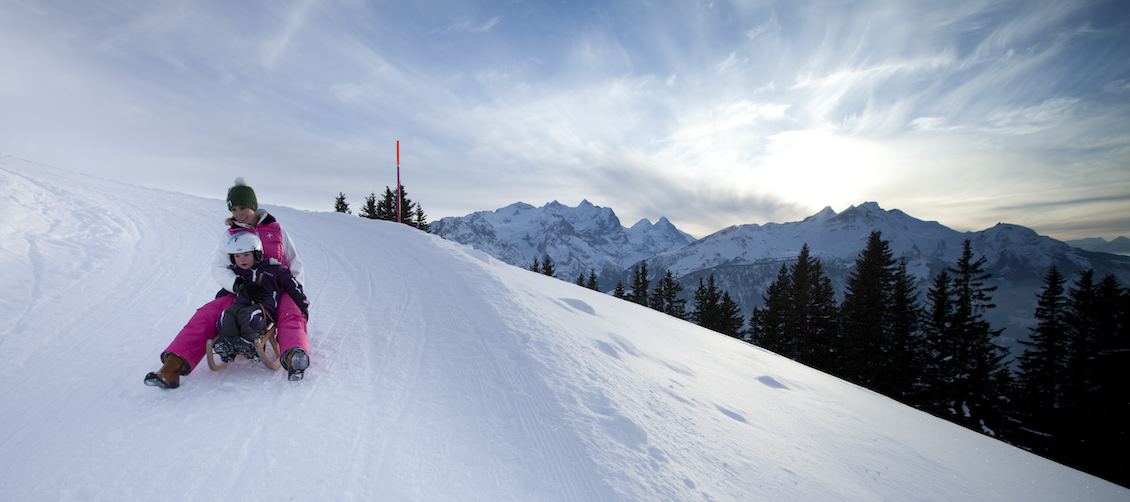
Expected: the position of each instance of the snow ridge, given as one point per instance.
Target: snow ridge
(578, 240)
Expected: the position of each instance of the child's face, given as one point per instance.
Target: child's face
(244, 260)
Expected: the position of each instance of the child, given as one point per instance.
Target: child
(257, 291)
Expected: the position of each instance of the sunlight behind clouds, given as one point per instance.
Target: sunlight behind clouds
(817, 168)
(967, 112)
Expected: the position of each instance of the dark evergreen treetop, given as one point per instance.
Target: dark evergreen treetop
(866, 316)
(640, 283)
(420, 220)
(340, 205)
(547, 266)
(370, 209)
(665, 297)
(969, 380)
(811, 317)
(767, 325)
(1043, 365)
(620, 292)
(706, 305)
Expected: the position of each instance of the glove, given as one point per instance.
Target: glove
(250, 290)
(305, 311)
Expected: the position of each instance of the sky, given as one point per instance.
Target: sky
(712, 114)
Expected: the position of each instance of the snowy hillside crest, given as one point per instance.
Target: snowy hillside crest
(438, 373)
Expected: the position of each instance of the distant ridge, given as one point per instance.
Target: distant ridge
(745, 258)
(578, 239)
(1119, 246)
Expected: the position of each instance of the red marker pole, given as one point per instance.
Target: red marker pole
(398, 181)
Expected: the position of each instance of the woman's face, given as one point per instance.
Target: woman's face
(244, 215)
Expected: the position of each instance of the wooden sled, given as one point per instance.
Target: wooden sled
(270, 335)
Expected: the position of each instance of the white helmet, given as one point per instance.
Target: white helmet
(245, 242)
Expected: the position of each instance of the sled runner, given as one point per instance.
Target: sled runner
(269, 335)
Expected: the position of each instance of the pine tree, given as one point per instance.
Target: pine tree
(902, 379)
(706, 305)
(1098, 419)
(592, 283)
(340, 205)
(972, 382)
(536, 267)
(665, 297)
(619, 292)
(1086, 326)
(1073, 392)
(370, 209)
(729, 316)
(767, 325)
(386, 209)
(811, 317)
(547, 266)
(865, 316)
(407, 207)
(1043, 365)
(939, 343)
(580, 280)
(640, 283)
(715, 310)
(421, 219)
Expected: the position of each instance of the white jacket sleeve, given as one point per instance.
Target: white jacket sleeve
(293, 262)
(220, 262)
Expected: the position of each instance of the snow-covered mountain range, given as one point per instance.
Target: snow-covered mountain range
(578, 239)
(1120, 245)
(437, 374)
(745, 259)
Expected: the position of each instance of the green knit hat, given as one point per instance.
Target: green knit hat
(242, 195)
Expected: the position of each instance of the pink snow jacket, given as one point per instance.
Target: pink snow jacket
(276, 244)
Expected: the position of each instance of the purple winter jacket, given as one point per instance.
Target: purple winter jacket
(276, 279)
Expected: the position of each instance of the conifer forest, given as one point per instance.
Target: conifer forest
(1063, 398)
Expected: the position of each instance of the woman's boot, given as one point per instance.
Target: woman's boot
(296, 361)
(168, 377)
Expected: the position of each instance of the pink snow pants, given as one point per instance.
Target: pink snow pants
(191, 343)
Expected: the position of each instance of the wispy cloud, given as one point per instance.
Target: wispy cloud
(469, 26)
(293, 21)
(968, 112)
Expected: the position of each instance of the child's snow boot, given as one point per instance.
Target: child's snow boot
(223, 348)
(168, 377)
(245, 347)
(296, 362)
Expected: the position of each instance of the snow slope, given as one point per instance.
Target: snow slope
(438, 373)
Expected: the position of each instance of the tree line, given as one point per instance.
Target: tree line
(411, 213)
(1064, 398)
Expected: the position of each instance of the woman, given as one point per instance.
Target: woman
(190, 345)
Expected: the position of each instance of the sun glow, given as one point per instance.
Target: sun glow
(817, 168)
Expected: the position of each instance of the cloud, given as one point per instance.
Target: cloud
(963, 112)
(293, 21)
(469, 26)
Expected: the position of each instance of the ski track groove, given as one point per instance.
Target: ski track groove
(420, 339)
(531, 401)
